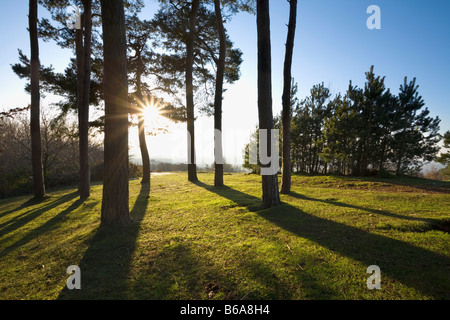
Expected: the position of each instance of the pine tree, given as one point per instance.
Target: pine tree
(234, 56)
(139, 64)
(187, 55)
(286, 99)
(444, 157)
(339, 136)
(270, 195)
(81, 39)
(36, 149)
(375, 111)
(115, 208)
(307, 131)
(415, 134)
(84, 85)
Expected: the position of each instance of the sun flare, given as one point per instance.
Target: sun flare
(152, 113)
(154, 119)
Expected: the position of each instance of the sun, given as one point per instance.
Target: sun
(152, 113)
(155, 122)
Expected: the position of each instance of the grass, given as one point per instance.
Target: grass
(195, 241)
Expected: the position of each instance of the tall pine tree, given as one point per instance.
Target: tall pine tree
(115, 209)
(270, 191)
(35, 130)
(415, 134)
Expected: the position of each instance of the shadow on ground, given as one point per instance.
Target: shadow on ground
(112, 268)
(106, 263)
(402, 183)
(415, 267)
(23, 218)
(437, 224)
(28, 216)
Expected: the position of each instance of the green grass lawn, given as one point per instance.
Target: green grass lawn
(195, 241)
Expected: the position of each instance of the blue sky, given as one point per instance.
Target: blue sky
(333, 45)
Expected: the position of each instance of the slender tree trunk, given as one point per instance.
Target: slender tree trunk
(83, 111)
(398, 170)
(115, 209)
(270, 195)
(286, 100)
(398, 166)
(192, 167)
(79, 50)
(357, 170)
(146, 170)
(316, 169)
(35, 130)
(382, 157)
(218, 170)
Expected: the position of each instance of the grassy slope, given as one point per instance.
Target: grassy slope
(194, 241)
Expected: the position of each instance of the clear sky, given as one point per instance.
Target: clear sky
(333, 45)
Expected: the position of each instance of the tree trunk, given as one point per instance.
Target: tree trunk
(357, 171)
(286, 100)
(35, 130)
(192, 167)
(115, 210)
(218, 170)
(398, 170)
(146, 172)
(83, 111)
(270, 195)
(382, 157)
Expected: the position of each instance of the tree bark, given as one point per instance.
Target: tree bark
(218, 170)
(79, 51)
(192, 167)
(146, 171)
(382, 157)
(398, 170)
(83, 111)
(270, 195)
(115, 210)
(35, 130)
(286, 100)
(399, 165)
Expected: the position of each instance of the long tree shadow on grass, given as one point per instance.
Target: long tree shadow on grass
(409, 182)
(24, 218)
(181, 272)
(27, 203)
(415, 267)
(175, 273)
(412, 182)
(48, 226)
(111, 268)
(106, 263)
(442, 225)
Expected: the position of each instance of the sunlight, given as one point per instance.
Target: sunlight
(155, 121)
(152, 115)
